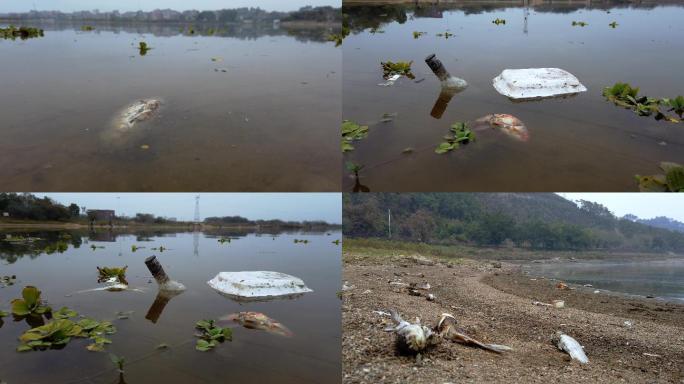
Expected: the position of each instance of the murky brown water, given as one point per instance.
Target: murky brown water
(312, 355)
(582, 143)
(269, 122)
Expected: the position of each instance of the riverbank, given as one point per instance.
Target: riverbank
(495, 305)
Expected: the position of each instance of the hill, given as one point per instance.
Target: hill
(527, 220)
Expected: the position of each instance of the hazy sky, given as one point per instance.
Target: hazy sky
(285, 206)
(147, 5)
(643, 205)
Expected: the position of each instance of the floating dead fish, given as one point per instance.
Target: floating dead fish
(258, 321)
(569, 345)
(508, 124)
(390, 81)
(141, 110)
(116, 287)
(447, 329)
(411, 338)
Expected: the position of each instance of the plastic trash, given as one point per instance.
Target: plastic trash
(257, 285)
(535, 83)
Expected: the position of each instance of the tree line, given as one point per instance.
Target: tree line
(533, 221)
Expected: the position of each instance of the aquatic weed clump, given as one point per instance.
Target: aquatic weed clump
(624, 95)
(23, 33)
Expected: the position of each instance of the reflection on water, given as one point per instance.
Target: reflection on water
(581, 143)
(241, 108)
(155, 317)
(660, 278)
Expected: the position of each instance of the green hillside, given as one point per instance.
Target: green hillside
(527, 220)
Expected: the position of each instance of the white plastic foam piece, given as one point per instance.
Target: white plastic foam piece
(258, 284)
(533, 83)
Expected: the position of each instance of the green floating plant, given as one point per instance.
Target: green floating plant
(224, 240)
(613, 25)
(87, 28)
(418, 34)
(59, 331)
(107, 273)
(160, 249)
(402, 68)
(64, 313)
(94, 247)
(350, 132)
(211, 335)
(296, 241)
(499, 21)
(30, 303)
(579, 24)
(336, 242)
(23, 33)
(143, 48)
(624, 95)
(460, 134)
(135, 248)
(445, 35)
(671, 181)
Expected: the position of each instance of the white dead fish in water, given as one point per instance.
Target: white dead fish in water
(447, 329)
(116, 287)
(508, 124)
(139, 111)
(569, 345)
(258, 321)
(411, 338)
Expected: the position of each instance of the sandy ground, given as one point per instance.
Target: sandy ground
(494, 305)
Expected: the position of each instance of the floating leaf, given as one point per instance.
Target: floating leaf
(352, 131)
(402, 68)
(64, 313)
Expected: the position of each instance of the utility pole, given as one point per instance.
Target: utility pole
(389, 222)
(197, 212)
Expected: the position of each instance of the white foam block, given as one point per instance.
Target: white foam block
(258, 284)
(533, 83)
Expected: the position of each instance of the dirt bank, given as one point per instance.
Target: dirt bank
(504, 316)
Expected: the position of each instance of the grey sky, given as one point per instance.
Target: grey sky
(643, 205)
(285, 206)
(147, 5)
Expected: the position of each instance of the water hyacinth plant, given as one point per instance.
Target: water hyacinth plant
(23, 33)
(107, 273)
(460, 134)
(624, 95)
(211, 335)
(143, 48)
(402, 68)
(350, 132)
(499, 21)
(30, 304)
(671, 181)
(58, 332)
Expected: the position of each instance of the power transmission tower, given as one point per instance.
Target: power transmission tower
(197, 213)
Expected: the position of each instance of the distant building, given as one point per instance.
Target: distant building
(106, 215)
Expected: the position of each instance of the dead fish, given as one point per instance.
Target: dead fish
(118, 287)
(447, 329)
(139, 111)
(411, 338)
(258, 321)
(569, 345)
(508, 124)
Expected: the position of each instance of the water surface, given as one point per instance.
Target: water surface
(312, 355)
(659, 278)
(580, 143)
(274, 110)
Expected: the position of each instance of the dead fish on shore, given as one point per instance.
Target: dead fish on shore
(139, 111)
(569, 345)
(258, 321)
(508, 124)
(411, 338)
(447, 330)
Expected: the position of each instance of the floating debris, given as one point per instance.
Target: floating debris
(257, 284)
(508, 124)
(447, 81)
(258, 321)
(163, 280)
(579, 23)
(536, 83)
(112, 274)
(401, 68)
(445, 35)
(499, 21)
(6, 281)
(569, 345)
(417, 34)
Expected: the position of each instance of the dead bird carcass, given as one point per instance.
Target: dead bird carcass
(140, 111)
(258, 285)
(412, 338)
(258, 321)
(508, 124)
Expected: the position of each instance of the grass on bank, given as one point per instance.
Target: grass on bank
(378, 248)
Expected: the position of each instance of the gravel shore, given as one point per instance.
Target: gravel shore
(495, 305)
